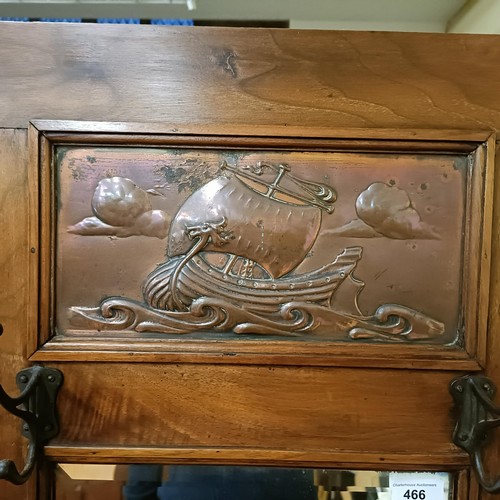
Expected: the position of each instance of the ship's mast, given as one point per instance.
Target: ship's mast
(282, 169)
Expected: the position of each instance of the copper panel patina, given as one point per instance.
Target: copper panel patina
(221, 243)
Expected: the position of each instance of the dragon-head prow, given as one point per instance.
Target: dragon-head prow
(215, 232)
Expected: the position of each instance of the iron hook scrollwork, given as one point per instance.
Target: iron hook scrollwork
(473, 395)
(36, 407)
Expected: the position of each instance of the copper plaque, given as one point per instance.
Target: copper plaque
(220, 243)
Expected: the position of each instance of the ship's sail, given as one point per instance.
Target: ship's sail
(277, 234)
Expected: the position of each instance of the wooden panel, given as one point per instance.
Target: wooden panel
(255, 457)
(256, 407)
(288, 77)
(14, 260)
(493, 360)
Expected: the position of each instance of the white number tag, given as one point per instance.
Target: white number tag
(416, 486)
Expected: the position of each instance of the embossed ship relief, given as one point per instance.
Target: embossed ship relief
(233, 250)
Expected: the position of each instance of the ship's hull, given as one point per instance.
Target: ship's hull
(197, 278)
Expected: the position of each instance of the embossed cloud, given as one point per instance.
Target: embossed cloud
(385, 210)
(122, 209)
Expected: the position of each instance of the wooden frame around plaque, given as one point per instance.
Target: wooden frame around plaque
(309, 246)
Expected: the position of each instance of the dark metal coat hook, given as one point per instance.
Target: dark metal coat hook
(473, 395)
(36, 406)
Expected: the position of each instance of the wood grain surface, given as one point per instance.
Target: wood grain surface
(493, 350)
(252, 76)
(255, 457)
(243, 80)
(14, 262)
(376, 411)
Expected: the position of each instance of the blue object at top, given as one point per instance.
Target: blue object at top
(56, 20)
(105, 20)
(110, 20)
(16, 19)
(173, 22)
